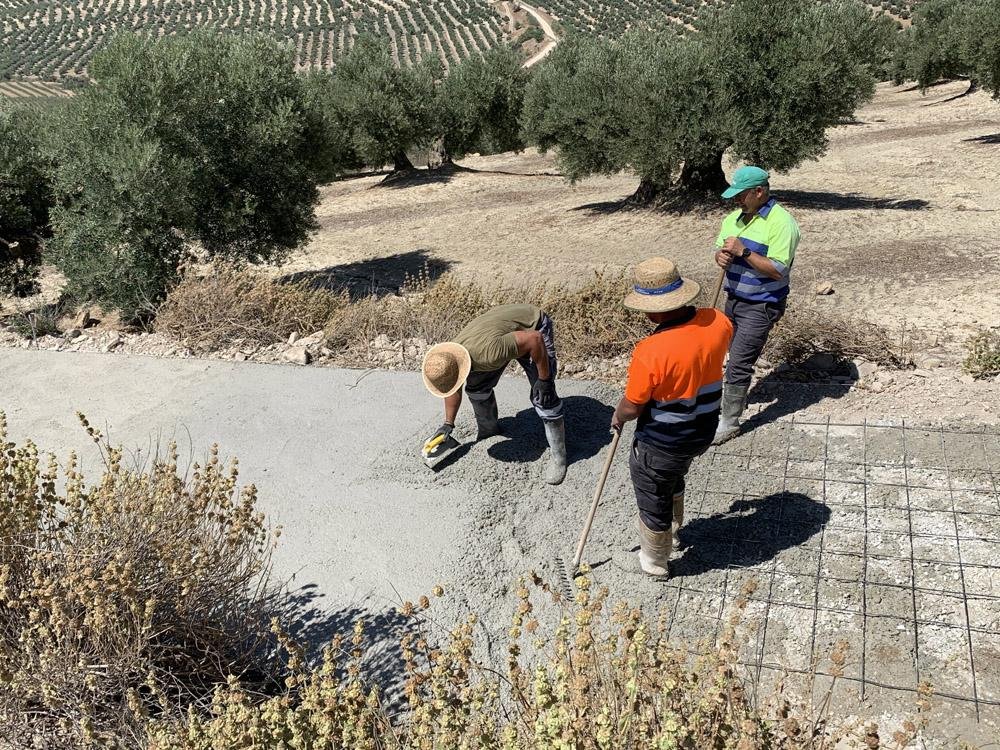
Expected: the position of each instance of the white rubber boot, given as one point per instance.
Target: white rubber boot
(654, 551)
(555, 434)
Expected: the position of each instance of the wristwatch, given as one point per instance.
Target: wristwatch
(745, 253)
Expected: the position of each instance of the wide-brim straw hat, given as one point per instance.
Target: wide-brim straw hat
(446, 367)
(658, 287)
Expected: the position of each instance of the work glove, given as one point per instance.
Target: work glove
(444, 432)
(543, 393)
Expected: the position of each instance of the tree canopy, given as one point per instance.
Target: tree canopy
(763, 79)
(203, 141)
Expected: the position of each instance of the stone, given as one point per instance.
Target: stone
(293, 337)
(382, 342)
(930, 363)
(865, 368)
(240, 356)
(313, 339)
(297, 355)
(82, 319)
(822, 362)
(114, 341)
(72, 333)
(823, 288)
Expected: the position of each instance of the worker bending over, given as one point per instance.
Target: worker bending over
(478, 357)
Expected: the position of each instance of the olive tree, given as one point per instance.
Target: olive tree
(25, 199)
(201, 141)
(761, 79)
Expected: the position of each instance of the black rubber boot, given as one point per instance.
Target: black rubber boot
(487, 419)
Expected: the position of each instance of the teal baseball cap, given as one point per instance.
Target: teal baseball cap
(745, 178)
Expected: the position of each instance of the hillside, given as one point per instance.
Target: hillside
(52, 40)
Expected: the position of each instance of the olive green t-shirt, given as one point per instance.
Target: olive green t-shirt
(490, 337)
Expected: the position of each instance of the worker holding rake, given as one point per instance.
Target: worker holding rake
(756, 248)
(674, 389)
(477, 359)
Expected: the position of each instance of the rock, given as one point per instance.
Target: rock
(114, 341)
(930, 363)
(72, 333)
(865, 368)
(382, 342)
(298, 355)
(920, 373)
(240, 356)
(313, 339)
(82, 319)
(293, 337)
(764, 364)
(823, 288)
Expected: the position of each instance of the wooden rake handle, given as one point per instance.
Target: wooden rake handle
(718, 287)
(597, 499)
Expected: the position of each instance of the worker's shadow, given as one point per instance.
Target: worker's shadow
(789, 390)
(588, 429)
(749, 533)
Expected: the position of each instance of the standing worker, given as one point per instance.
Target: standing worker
(477, 358)
(674, 389)
(756, 247)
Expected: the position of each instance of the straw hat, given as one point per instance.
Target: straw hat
(445, 368)
(657, 287)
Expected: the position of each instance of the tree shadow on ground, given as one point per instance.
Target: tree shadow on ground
(373, 277)
(989, 140)
(313, 628)
(823, 201)
(789, 389)
(749, 533)
(588, 429)
(444, 174)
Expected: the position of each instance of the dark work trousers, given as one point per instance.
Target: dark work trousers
(658, 477)
(752, 322)
(480, 385)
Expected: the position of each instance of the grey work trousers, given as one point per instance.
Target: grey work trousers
(479, 385)
(752, 323)
(658, 481)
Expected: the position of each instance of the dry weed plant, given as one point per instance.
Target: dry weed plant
(982, 358)
(590, 321)
(804, 331)
(125, 599)
(233, 305)
(604, 678)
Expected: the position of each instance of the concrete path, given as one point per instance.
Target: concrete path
(334, 454)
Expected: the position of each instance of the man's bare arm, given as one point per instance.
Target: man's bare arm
(532, 343)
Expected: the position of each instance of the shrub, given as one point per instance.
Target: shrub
(126, 598)
(604, 677)
(211, 147)
(25, 199)
(232, 304)
(803, 332)
(983, 358)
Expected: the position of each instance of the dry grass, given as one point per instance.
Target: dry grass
(603, 677)
(983, 357)
(122, 599)
(231, 305)
(804, 331)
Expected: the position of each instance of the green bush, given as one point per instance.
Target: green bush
(201, 141)
(25, 199)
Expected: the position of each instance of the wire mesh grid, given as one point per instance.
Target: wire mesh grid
(883, 534)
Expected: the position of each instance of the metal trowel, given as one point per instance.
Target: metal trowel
(435, 450)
